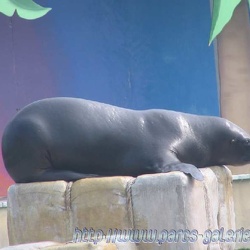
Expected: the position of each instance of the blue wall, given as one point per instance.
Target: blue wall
(134, 53)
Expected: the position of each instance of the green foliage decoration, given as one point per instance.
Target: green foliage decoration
(26, 9)
(222, 13)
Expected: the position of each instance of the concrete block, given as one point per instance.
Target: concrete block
(4, 239)
(52, 210)
(31, 246)
(38, 212)
(168, 204)
(175, 202)
(90, 246)
(100, 203)
(72, 246)
(241, 185)
(226, 213)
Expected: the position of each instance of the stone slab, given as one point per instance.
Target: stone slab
(122, 207)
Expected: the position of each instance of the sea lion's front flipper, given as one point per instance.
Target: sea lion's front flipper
(185, 168)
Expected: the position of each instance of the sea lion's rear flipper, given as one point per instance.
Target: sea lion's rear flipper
(65, 175)
(185, 168)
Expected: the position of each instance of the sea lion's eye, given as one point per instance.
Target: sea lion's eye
(233, 140)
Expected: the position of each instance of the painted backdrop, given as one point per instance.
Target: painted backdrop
(135, 54)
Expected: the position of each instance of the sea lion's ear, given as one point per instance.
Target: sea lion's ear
(247, 142)
(233, 141)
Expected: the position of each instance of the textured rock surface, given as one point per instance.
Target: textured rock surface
(31, 246)
(40, 211)
(51, 211)
(226, 214)
(100, 203)
(176, 202)
(72, 246)
(4, 240)
(242, 208)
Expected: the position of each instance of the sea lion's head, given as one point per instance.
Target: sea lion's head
(234, 147)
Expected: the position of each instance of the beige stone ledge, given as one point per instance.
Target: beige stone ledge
(51, 211)
(4, 240)
(72, 246)
(242, 205)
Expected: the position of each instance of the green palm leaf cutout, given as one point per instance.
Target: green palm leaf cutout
(222, 13)
(26, 9)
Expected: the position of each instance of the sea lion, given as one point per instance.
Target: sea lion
(70, 138)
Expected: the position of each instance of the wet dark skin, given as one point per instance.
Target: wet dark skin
(70, 139)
